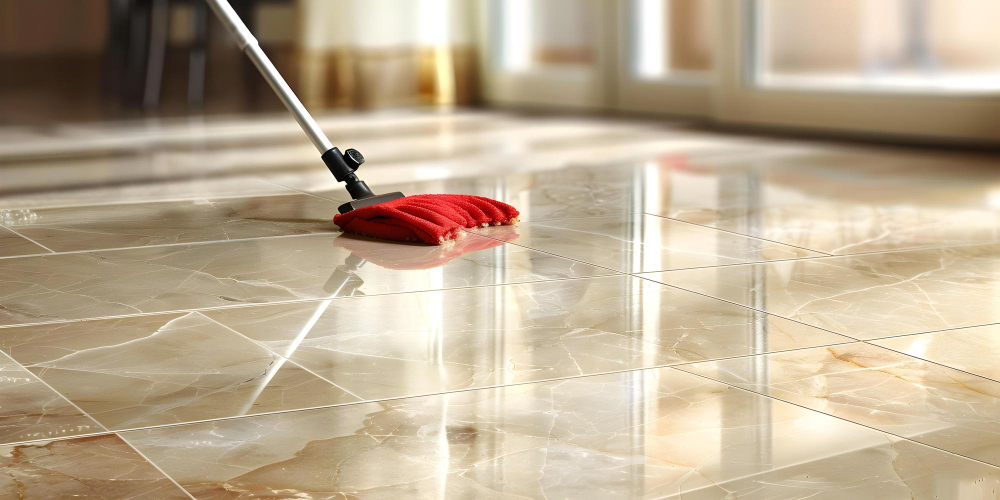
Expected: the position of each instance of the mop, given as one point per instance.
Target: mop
(430, 218)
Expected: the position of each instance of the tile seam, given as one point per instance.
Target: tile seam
(299, 301)
(774, 398)
(468, 389)
(26, 238)
(288, 359)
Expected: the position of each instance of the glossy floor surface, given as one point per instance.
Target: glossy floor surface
(678, 315)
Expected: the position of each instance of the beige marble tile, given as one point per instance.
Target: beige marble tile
(478, 337)
(840, 203)
(883, 389)
(647, 434)
(970, 349)
(865, 296)
(840, 228)
(141, 224)
(12, 245)
(93, 468)
(30, 411)
(94, 284)
(164, 369)
(642, 242)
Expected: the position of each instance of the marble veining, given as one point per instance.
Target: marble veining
(164, 369)
(643, 434)
(880, 388)
(95, 467)
(142, 280)
(970, 349)
(486, 336)
(864, 296)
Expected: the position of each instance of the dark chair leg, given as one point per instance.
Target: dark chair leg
(138, 51)
(159, 22)
(197, 57)
(116, 59)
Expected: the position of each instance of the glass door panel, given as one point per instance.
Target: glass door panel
(900, 67)
(550, 52)
(895, 45)
(668, 55)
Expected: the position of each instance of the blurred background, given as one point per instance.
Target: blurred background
(915, 71)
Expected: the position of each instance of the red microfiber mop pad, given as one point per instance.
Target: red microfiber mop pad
(431, 218)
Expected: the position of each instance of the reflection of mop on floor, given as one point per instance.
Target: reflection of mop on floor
(345, 281)
(408, 257)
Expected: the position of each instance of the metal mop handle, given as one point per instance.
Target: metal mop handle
(342, 165)
(248, 44)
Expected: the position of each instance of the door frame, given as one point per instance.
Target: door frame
(573, 88)
(738, 100)
(729, 95)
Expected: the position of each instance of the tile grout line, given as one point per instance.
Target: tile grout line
(614, 273)
(676, 366)
(868, 341)
(468, 389)
(162, 245)
(417, 396)
(61, 395)
(826, 254)
(155, 466)
(282, 356)
(931, 361)
(296, 301)
(571, 259)
(855, 339)
(300, 191)
(295, 191)
(823, 255)
(413, 396)
(774, 398)
(29, 239)
(640, 276)
(734, 264)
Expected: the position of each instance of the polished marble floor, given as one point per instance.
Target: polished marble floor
(680, 314)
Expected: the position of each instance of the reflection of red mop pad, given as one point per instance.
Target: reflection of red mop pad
(407, 257)
(430, 218)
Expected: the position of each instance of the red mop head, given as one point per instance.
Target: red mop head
(431, 218)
